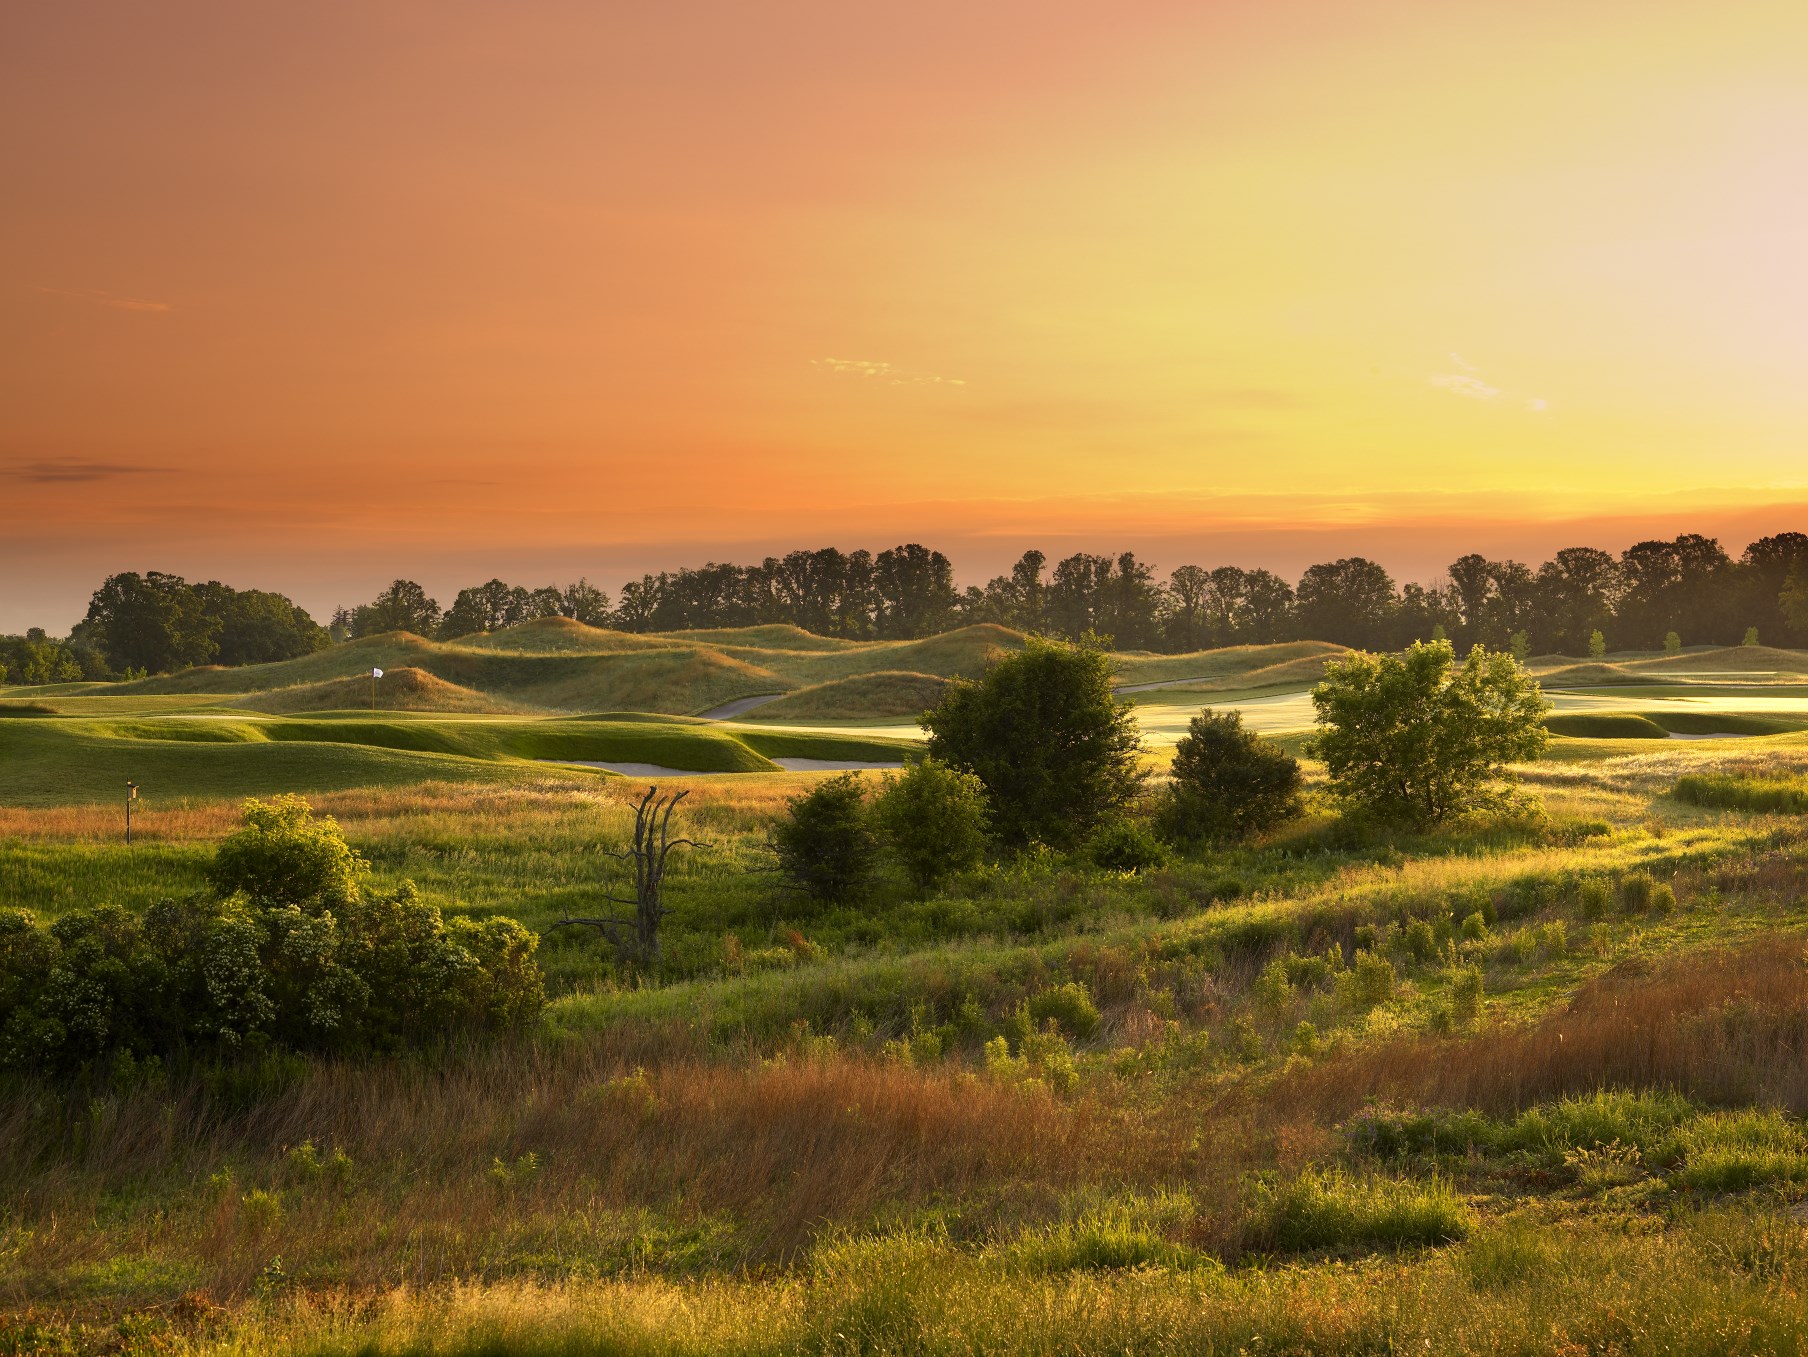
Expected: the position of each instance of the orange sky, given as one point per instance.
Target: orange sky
(308, 296)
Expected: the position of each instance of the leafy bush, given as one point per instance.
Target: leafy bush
(1043, 730)
(1125, 846)
(339, 969)
(934, 820)
(1069, 1007)
(1415, 738)
(1228, 783)
(826, 843)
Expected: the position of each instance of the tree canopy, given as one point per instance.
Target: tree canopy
(1055, 749)
(1415, 738)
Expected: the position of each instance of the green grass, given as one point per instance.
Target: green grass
(61, 762)
(1605, 726)
(853, 1128)
(1727, 791)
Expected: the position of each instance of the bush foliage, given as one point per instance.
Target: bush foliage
(826, 844)
(295, 954)
(1416, 739)
(1043, 731)
(934, 820)
(1228, 783)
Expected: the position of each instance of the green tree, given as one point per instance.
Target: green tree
(1597, 645)
(1751, 637)
(933, 819)
(826, 843)
(154, 622)
(403, 606)
(1057, 751)
(1227, 782)
(1672, 643)
(1416, 739)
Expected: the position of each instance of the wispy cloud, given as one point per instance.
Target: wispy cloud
(101, 297)
(1469, 384)
(67, 471)
(889, 373)
(1463, 384)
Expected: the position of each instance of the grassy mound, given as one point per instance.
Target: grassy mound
(773, 636)
(886, 694)
(1594, 675)
(404, 689)
(1607, 725)
(27, 709)
(1299, 662)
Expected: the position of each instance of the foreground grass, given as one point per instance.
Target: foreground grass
(1527, 1085)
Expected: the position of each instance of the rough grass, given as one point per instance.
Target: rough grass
(1724, 791)
(850, 1129)
(888, 695)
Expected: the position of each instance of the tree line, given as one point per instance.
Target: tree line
(1689, 585)
(1689, 589)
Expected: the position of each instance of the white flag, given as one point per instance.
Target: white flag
(376, 673)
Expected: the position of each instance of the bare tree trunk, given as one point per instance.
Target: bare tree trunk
(636, 940)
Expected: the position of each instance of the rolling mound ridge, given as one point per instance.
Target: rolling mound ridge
(886, 694)
(404, 689)
(1300, 662)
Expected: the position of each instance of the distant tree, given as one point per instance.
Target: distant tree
(1672, 643)
(584, 602)
(1189, 586)
(403, 606)
(915, 588)
(1576, 592)
(1751, 637)
(1130, 603)
(1227, 782)
(1076, 595)
(1794, 599)
(154, 622)
(482, 607)
(1058, 753)
(1027, 592)
(257, 627)
(826, 843)
(639, 601)
(1416, 739)
(1597, 645)
(934, 819)
(1768, 564)
(1519, 646)
(1349, 601)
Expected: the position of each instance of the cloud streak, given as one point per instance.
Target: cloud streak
(67, 471)
(1469, 384)
(889, 373)
(101, 297)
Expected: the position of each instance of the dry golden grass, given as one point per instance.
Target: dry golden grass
(1722, 1026)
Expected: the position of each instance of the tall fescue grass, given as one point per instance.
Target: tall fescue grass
(1724, 791)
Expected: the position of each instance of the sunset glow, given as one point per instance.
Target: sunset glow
(308, 297)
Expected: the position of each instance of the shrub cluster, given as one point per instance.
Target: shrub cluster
(292, 951)
(932, 819)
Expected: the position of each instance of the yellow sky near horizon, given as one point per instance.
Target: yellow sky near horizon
(568, 273)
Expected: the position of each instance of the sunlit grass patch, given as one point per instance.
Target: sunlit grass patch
(1723, 791)
(1330, 1208)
